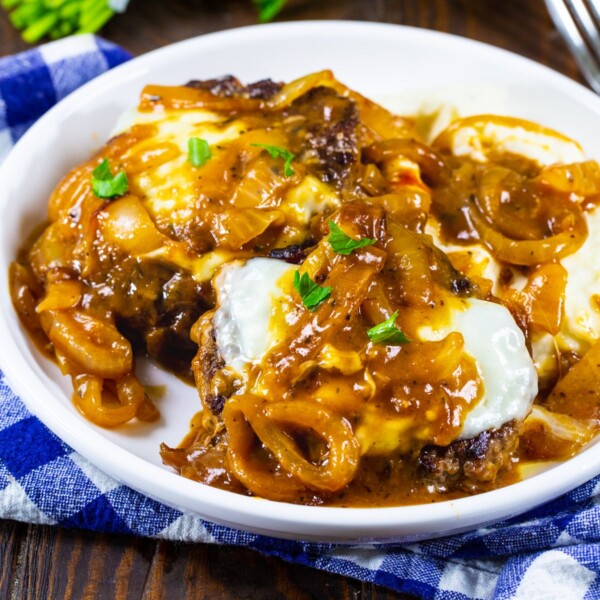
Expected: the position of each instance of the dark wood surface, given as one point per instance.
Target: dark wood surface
(48, 562)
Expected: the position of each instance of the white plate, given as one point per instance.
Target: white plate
(382, 61)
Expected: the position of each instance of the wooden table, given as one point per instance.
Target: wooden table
(48, 562)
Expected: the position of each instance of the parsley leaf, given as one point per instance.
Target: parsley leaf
(312, 293)
(198, 151)
(268, 9)
(344, 244)
(279, 152)
(107, 185)
(387, 333)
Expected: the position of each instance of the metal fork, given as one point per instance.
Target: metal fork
(578, 21)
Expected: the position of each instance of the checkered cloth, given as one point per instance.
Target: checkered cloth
(551, 552)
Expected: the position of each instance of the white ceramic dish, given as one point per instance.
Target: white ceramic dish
(382, 61)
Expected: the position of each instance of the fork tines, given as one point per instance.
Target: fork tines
(578, 21)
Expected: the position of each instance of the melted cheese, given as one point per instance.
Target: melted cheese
(542, 148)
(581, 318)
(311, 197)
(494, 341)
(581, 325)
(248, 323)
(246, 329)
(169, 190)
(244, 322)
(581, 321)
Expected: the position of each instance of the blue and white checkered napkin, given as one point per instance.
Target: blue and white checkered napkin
(551, 552)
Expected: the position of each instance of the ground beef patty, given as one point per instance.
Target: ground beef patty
(469, 463)
(229, 86)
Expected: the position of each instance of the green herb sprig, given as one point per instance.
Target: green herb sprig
(107, 185)
(344, 244)
(312, 294)
(279, 152)
(387, 333)
(198, 151)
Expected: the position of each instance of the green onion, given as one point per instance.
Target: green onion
(38, 29)
(58, 18)
(26, 14)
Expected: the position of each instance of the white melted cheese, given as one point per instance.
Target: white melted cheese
(542, 148)
(309, 198)
(581, 321)
(581, 324)
(248, 290)
(482, 263)
(435, 109)
(497, 345)
(169, 190)
(246, 295)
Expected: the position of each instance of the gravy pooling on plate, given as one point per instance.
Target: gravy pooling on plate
(371, 318)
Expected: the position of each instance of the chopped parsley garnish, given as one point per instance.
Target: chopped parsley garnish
(107, 185)
(344, 244)
(198, 151)
(279, 152)
(312, 293)
(387, 333)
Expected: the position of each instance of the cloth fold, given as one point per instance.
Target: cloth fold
(550, 552)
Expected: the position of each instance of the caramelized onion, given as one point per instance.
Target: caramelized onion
(265, 420)
(293, 90)
(343, 450)
(379, 121)
(532, 252)
(577, 394)
(547, 435)
(233, 228)
(259, 187)
(23, 294)
(520, 211)
(93, 345)
(158, 97)
(411, 258)
(426, 362)
(495, 197)
(105, 407)
(431, 164)
(349, 279)
(581, 179)
(491, 137)
(247, 462)
(126, 224)
(543, 297)
(61, 294)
